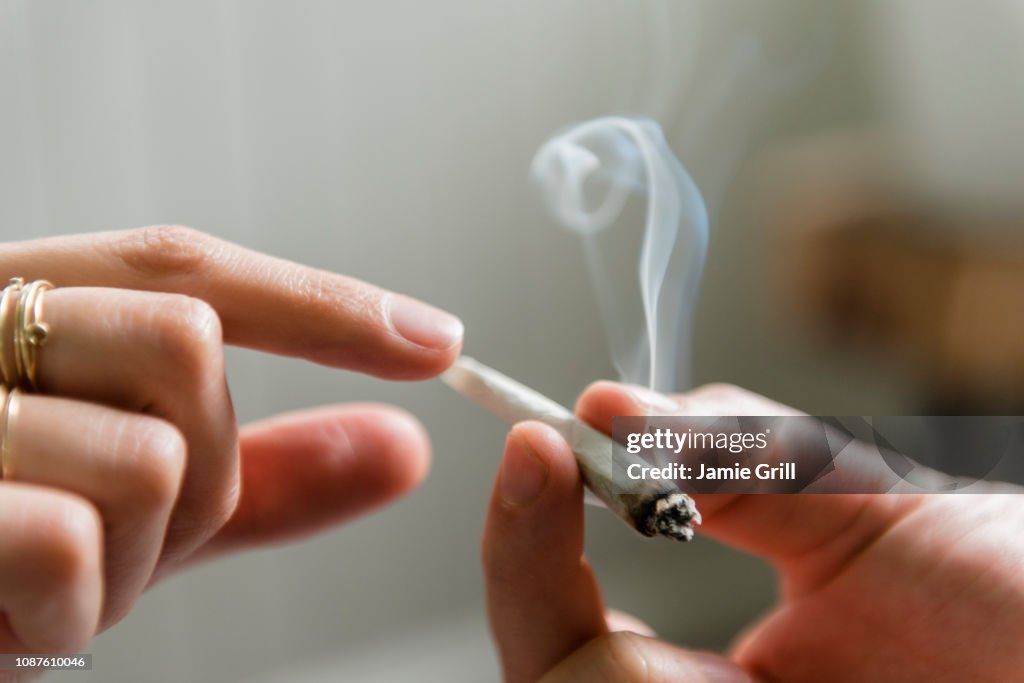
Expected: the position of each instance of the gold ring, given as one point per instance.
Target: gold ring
(30, 331)
(8, 409)
(12, 288)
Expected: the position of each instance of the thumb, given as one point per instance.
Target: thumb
(627, 657)
(542, 597)
(307, 470)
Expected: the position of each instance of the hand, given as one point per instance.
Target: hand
(873, 587)
(128, 462)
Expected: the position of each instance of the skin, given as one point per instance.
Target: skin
(895, 587)
(128, 464)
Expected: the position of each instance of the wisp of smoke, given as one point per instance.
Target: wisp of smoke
(614, 158)
(589, 172)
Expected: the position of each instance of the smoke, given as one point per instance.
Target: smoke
(589, 174)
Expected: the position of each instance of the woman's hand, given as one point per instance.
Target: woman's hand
(873, 587)
(128, 461)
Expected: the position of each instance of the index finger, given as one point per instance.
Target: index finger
(809, 536)
(264, 302)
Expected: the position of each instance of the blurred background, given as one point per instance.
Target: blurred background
(863, 167)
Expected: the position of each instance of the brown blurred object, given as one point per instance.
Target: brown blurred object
(868, 267)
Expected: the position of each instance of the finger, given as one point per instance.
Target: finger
(128, 466)
(50, 570)
(627, 657)
(542, 597)
(621, 621)
(306, 470)
(264, 302)
(159, 354)
(785, 529)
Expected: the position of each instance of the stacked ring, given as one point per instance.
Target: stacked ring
(30, 331)
(29, 334)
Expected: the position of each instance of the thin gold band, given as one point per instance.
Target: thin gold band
(12, 288)
(10, 408)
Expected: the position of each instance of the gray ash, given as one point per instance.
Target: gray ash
(672, 515)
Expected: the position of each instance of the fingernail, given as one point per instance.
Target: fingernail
(523, 473)
(422, 324)
(653, 401)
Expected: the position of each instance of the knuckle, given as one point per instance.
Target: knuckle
(224, 510)
(729, 399)
(157, 464)
(193, 526)
(721, 390)
(190, 337)
(68, 548)
(623, 656)
(166, 250)
(319, 290)
(718, 396)
(190, 528)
